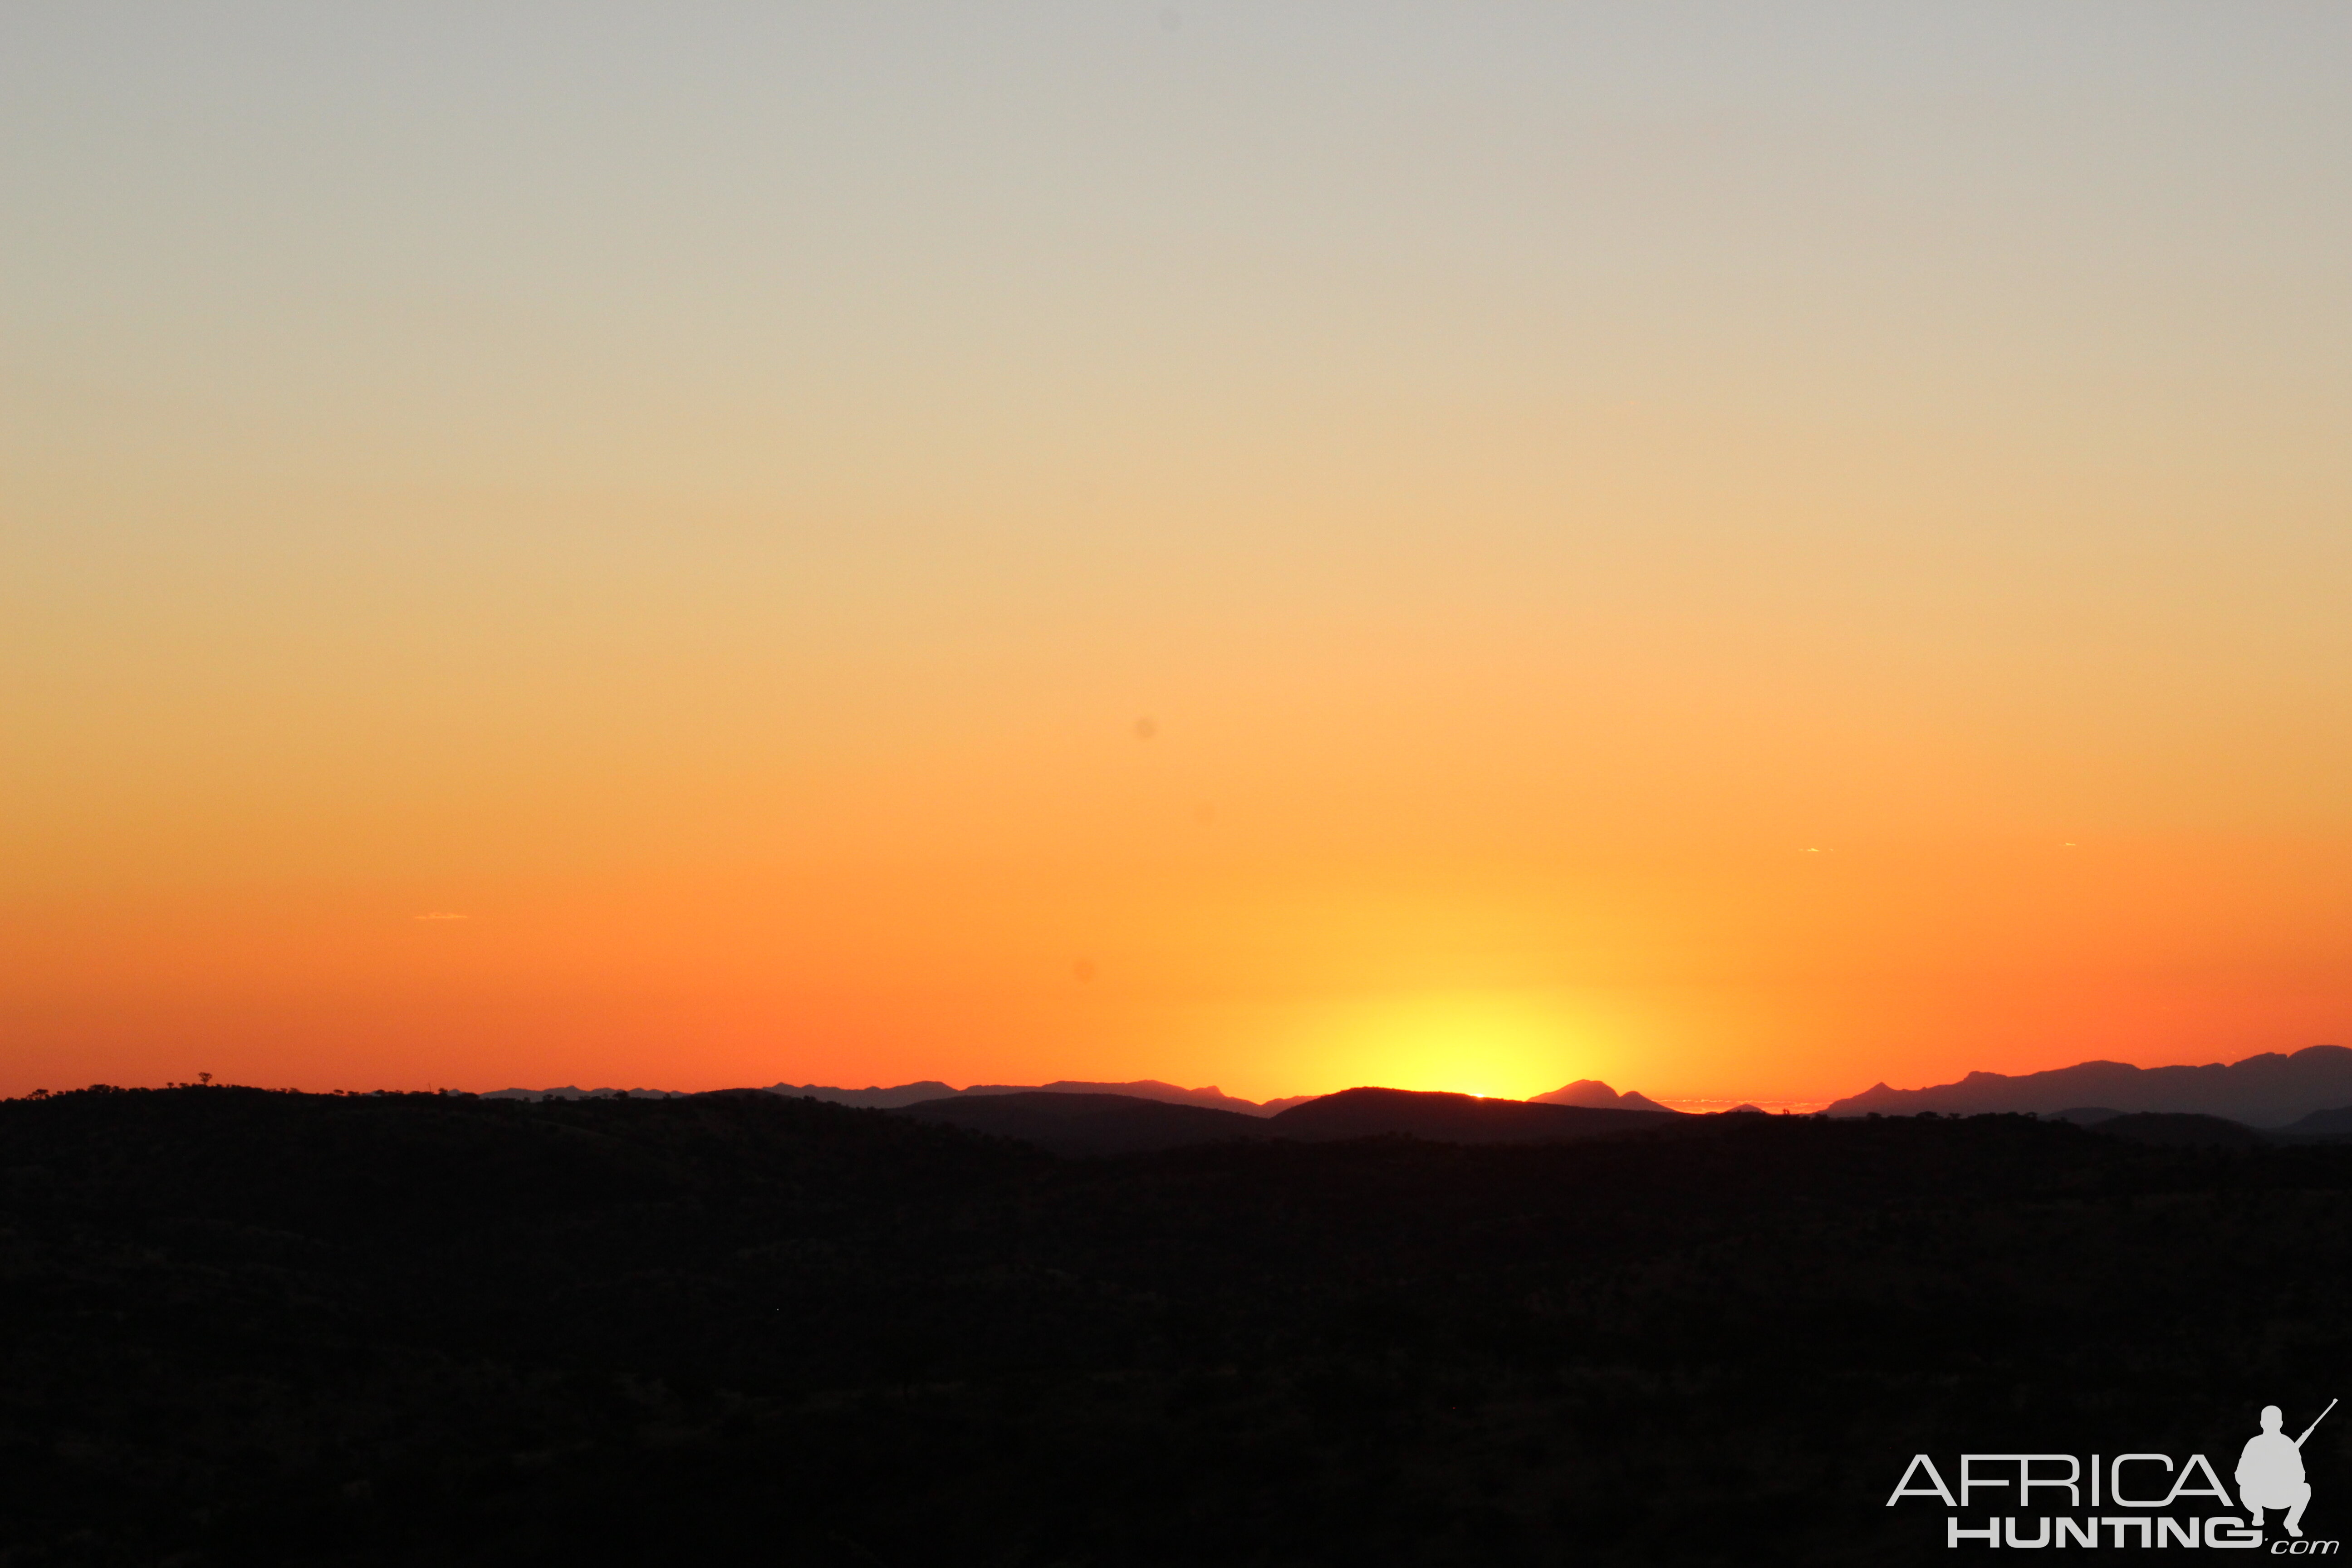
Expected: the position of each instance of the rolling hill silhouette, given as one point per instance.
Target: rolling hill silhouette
(573, 1091)
(2267, 1091)
(1071, 1123)
(1210, 1097)
(1454, 1118)
(1147, 1133)
(1064, 1122)
(2180, 1130)
(412, 1331)
(2334, 1124)
(901, 1096)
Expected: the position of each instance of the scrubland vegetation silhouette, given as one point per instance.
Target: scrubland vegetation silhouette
(245, 1327)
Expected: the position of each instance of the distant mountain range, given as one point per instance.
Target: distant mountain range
(1460, 1118)
(570, 1092)
(1585, 1092)
(2306, 1095)
(907, 1094)
(2268, 1090)
(1071, 1123)
(1593, 1092)
(899, 1096)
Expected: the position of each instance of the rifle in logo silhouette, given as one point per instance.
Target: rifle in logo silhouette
(2270, 1471)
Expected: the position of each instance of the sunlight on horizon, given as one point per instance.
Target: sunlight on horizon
(1717, 549)
(1495, 1045)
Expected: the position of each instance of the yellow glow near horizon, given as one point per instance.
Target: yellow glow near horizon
(1496, 1045)
(1739, 552)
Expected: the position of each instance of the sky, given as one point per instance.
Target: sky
(1739, 550)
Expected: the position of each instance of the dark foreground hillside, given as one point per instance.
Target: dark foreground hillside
(241, 1327)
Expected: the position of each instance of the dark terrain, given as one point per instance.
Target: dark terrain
(1454, 1118)
(243, 1327)
(1090, 1123)
(1066, 1123)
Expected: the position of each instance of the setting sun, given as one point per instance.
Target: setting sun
(1725, 570)
(1175, 783)
(1492, 1044)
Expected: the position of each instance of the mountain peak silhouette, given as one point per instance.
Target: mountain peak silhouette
(1592, 1092)
(2271, 1089)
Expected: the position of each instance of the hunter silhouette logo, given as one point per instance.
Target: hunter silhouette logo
(2159, 1493)
(2270, 1471)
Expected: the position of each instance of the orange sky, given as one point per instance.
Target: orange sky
(1460, 548)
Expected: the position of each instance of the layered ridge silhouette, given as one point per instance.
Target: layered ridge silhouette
(1589, 1092)
(2272, 1089)
(901, 1096)
(573, 1091)
(414, 1330)
(1068, 1123)
(1458, 1118)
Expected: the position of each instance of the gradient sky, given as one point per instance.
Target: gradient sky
(1738, 550)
